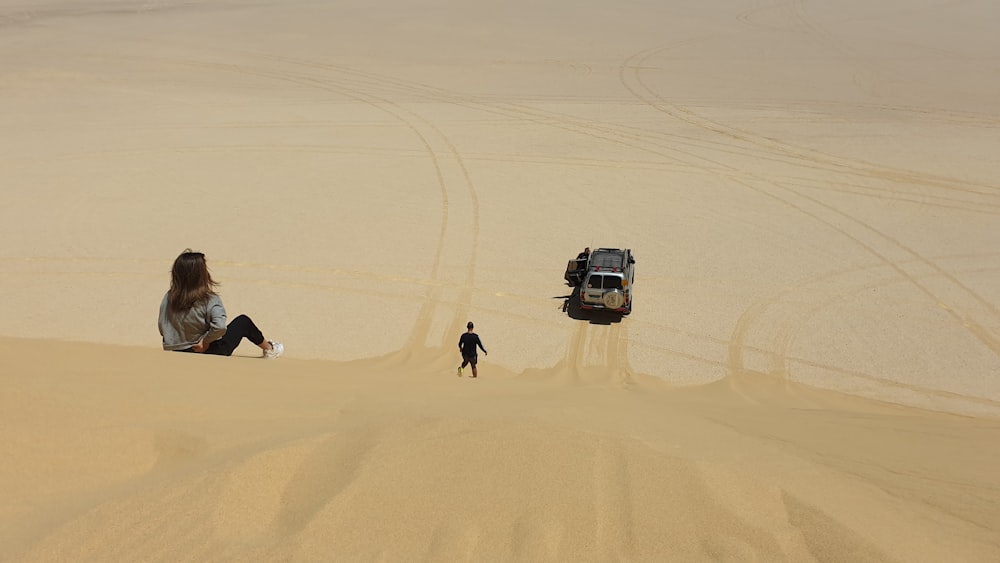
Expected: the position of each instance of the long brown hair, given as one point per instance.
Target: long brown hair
(190, 281)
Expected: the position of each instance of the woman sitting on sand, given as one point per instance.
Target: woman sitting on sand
(192, 318)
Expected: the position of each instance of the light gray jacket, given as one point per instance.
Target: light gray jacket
(205, 321)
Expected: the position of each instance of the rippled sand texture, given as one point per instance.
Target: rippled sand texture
(131, 454)
(811, 371)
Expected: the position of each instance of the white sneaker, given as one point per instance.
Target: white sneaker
(277, 349)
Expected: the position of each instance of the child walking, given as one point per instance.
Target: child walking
(467, 344)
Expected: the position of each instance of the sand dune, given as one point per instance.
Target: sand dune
(151, 456)
(811, 191)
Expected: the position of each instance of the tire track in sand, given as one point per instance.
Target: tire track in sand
(812, 158)
(612, 342)
(666, 147)
(440, 151)
(425, 318)
(863, 234)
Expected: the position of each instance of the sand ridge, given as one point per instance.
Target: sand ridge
(158, 456)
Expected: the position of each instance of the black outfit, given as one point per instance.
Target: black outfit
(241, 327)
(467, 344)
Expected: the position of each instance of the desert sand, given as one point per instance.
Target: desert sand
(811, 190)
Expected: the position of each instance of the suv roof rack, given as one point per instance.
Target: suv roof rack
(608, 258)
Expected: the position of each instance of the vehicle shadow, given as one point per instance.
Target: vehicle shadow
(571, 306)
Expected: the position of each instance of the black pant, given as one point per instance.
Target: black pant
(241, 327)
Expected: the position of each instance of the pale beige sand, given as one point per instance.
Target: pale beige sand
(127, 454)
(811, 190)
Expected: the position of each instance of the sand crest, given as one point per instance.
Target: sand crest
(145, 455)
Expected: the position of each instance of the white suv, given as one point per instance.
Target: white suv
(606, 280)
